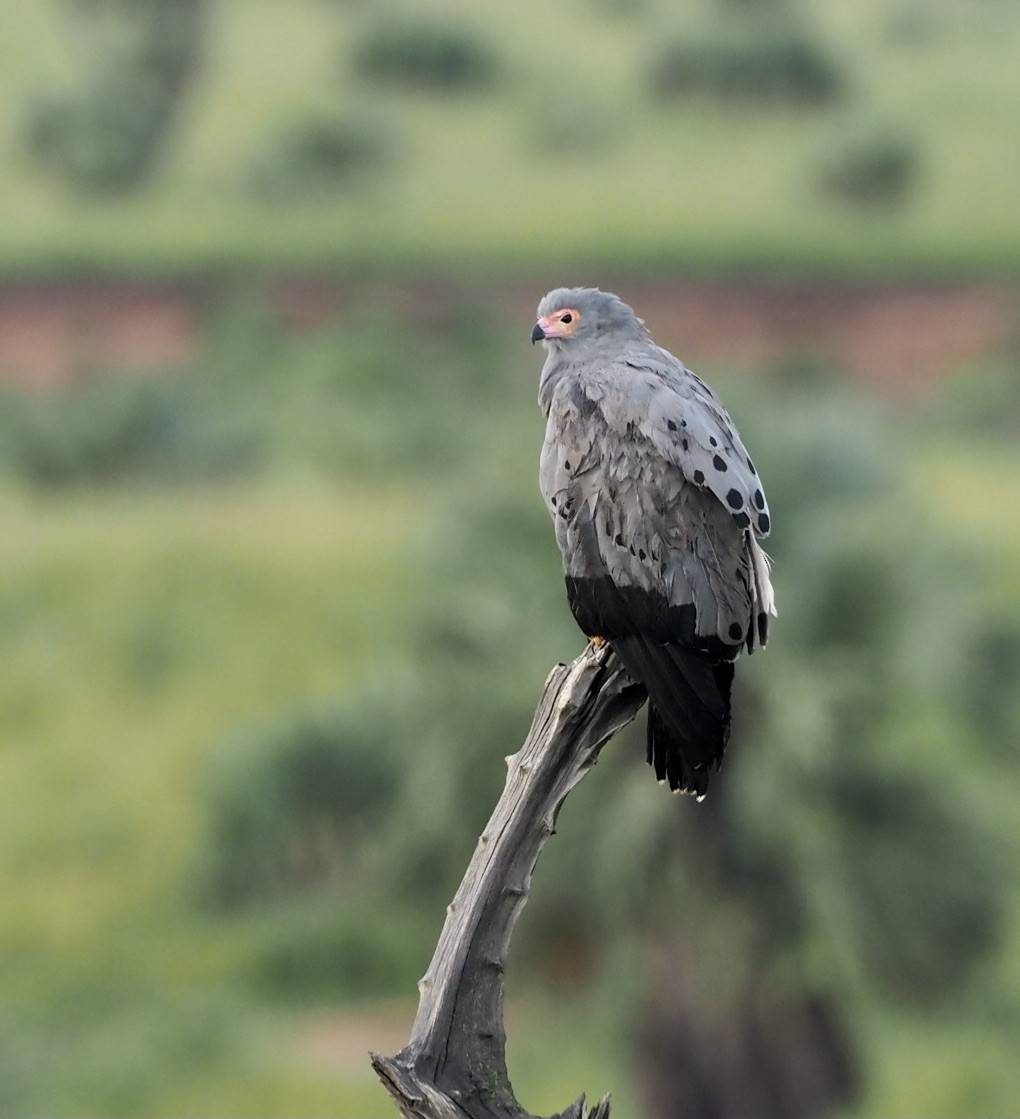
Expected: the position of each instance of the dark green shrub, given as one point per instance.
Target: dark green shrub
(287, 800)
(787, 68)
(103, 141)
(426, 57)
(878, 170)
(320, 155)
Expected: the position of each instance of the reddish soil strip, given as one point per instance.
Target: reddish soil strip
(897, 338)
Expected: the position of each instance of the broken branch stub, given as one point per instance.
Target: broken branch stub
(454, 1066)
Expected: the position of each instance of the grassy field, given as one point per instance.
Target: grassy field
(566, 160)
(167, 622)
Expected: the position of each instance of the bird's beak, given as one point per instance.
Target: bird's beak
(548, 327)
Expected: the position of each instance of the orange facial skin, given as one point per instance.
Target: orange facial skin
(560, 324)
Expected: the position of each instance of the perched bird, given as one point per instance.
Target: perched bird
(656, 506)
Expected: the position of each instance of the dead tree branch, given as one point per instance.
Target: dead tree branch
(454, 1066)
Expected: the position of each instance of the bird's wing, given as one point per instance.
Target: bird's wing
(687, 424)
(651, 539)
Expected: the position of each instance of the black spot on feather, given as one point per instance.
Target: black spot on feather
(684, 444)
(719, 463)
(750, 466)
(759, 499)
(735, 498)
(736, 631)
(712, 439)
(671, 425)
(741, 520)
(699, 478)
(763, 522)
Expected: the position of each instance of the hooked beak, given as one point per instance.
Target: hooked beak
(548, 326)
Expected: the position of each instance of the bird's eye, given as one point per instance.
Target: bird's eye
(568, 317)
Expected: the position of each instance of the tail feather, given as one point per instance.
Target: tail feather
(688, 709)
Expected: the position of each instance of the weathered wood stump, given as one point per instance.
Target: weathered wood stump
(454, 1066)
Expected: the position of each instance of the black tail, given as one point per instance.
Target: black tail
(688, 710)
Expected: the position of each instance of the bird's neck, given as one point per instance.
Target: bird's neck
(552, 372)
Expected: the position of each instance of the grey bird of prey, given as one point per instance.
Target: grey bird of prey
(656, 506)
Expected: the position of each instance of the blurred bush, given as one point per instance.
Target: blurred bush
(109, 134)
(427, 56)
(321, 155)
(777, 66)
(373, 395)
(876, 169)
(118, 428)
(290, 802)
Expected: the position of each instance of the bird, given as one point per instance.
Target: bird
(657, 508)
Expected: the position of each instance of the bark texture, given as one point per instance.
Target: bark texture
(454, 1066)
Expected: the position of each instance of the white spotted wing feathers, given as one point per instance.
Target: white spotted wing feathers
(687, 424)
(648, 482)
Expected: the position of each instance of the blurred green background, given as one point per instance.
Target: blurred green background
(278, 593)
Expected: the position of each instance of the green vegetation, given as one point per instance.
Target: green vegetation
(106, 134)
(417, 55)
(255, 718)
(873, 170)
(270, 621)
(691, 184)
(759, 67)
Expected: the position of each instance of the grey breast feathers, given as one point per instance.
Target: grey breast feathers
(642, 471)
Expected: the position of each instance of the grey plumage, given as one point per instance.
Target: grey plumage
(656, 505)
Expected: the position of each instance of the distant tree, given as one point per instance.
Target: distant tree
(422, 55)
(879, 169)
(137, 60)
(778, 67)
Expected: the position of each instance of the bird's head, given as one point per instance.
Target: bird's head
(569, 319)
